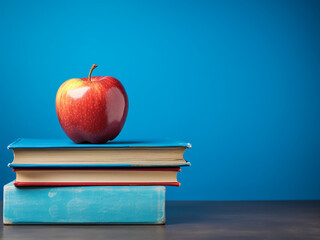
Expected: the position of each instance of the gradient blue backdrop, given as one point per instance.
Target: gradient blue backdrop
(240, 80)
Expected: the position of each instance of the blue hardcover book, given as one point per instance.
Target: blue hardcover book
(64, 153)
(84, 205)
(67, 143)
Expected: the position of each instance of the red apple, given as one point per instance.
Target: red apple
(92, 109)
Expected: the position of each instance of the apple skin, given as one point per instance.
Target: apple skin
(92, 111)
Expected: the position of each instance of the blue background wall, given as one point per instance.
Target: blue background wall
(240, 80)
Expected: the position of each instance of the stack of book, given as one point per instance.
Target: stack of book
(60, 182)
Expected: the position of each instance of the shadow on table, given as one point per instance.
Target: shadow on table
(188, 212)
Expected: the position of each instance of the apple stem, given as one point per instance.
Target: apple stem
(93, 67)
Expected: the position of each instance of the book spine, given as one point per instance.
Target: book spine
(84, 205)
(28, 184)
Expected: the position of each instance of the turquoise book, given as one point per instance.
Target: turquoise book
(63, 153)
(84, 205)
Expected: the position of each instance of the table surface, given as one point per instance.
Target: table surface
(197, 220)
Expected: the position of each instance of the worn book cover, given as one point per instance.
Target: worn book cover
(84, 205)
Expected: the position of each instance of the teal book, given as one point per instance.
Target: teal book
(84, 205)
(55, 153)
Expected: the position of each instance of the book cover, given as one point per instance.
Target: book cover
(67, 143)
(84, 205)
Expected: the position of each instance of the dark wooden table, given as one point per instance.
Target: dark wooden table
(196, 220)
